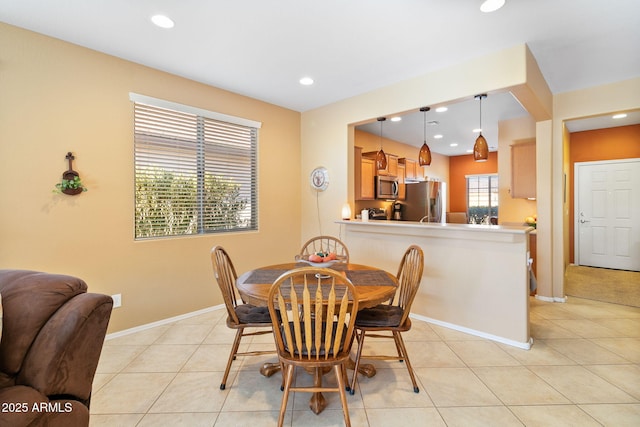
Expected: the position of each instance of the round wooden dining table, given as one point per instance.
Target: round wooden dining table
(373, 285)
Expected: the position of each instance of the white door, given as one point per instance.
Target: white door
(607, 214)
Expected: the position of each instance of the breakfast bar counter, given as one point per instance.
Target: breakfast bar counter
(475, 280)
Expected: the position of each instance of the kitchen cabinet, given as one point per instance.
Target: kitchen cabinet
(392, 163)
(402, 187)
(523, 170)
(364, 176)
(411, 169)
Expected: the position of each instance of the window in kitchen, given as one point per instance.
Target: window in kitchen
(195, 170)
(482, 197)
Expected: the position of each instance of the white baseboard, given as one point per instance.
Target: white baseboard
(163, 322)
(518, 344)
(523, 345)
(551, 299)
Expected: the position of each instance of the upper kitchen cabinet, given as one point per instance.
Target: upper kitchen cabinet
(402, 186)
(523, 170)
(364, 176)
(392, 163)
(411, 169)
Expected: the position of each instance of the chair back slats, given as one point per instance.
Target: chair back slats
(226, 276)
(326, 244)
(313, 312)
(409, 278)
(239, 316)
(317, 322)
(342, 318)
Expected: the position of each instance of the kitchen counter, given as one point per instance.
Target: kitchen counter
(475, 277)
(444, 229)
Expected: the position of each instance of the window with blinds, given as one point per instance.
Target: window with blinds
(195, 172)
(482, 197)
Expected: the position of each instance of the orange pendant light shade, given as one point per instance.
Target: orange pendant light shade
(381, 160)
(424, 156)
(480, 149)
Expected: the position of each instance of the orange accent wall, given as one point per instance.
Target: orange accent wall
(459, 167)
(602, 144)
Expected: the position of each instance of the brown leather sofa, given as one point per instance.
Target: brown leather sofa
(52, 336)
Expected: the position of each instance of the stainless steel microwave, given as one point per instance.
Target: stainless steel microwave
(387, 187)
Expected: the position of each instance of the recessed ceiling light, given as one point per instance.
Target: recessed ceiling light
(453, 144)
(491, 5)
(306, 81)
(441, 109)
(620, 116)
(477, 130)
(437, 136)
(396, 119)
(469, 151)
(162, 21)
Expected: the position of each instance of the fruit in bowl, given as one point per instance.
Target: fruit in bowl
(531, 220)
(320, 257)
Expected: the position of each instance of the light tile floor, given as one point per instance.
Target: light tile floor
(583, 370)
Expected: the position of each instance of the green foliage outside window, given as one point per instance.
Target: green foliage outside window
(167, 204)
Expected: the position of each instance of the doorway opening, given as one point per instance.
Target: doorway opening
(607, 214)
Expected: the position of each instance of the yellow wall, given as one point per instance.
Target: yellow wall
(57, 97)
(511, 132)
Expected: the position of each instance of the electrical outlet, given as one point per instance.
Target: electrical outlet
(117, 300)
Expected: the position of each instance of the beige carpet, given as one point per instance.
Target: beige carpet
(602, 284)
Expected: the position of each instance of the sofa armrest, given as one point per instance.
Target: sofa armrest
(64, 356)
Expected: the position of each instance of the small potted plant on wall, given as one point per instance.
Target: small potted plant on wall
(71, 183)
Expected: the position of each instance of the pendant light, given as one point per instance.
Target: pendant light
(480, 148)
(424, 156)
(381, 158)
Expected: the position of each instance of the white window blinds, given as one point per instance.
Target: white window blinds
(193, 174)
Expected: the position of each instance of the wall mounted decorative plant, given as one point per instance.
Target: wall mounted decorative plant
(71, 183)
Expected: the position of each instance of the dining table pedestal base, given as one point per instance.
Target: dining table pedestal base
(366, 369)
(317, 403)
(268, 369)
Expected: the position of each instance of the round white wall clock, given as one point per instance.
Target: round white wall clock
(319, 178)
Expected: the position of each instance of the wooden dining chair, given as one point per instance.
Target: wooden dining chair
(393, 317)
(324, 244)
(240, 316)
(313, 313)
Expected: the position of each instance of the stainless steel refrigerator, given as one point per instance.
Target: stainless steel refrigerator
(425, 200)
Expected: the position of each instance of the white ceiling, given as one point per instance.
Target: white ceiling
(262, 48)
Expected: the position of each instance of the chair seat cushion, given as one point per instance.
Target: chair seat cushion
(380, 316)
(248, 313)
